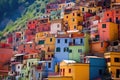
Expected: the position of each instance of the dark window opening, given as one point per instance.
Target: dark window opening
(103, 25)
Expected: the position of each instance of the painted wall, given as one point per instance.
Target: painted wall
(97, 67)
(62, 55)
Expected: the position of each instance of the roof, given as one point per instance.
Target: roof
(18, 54)
(69, 61)
(92, 57)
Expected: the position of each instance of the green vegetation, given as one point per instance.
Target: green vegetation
(35, 10)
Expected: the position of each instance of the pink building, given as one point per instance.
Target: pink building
(108, 31)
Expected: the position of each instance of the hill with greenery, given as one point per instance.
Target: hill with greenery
(34, 10)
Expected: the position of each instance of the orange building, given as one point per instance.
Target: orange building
(98, 47)
(26, 48)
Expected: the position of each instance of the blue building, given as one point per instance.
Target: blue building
(62, 50)
(44, 68)
(97, 66)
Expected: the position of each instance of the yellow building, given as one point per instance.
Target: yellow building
(40, 35)
(113, 62)
(73, 19)
(70, 70)
(49, 46)
(90, 9)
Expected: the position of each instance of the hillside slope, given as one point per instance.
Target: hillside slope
(36, 9)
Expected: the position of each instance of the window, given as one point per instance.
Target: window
(81, 40)
(18, 67)
(74, 27)
(49, 65)
(108, 59)
(103, 25)
(31, 56)
(79, 50)
(66, 16)
(58, 41)
(24, 46)
(78, 14)
(102, 44)
(61, 70)
(116, 59)
(66, 49)
(73, 41)
(58, 25)
(70, 51)
(29, 64)
(82, 9)
(100, 72)
(50, 39)
(117, 12)
(65, 40)
(58, 49)
(73, 14)
(69, 70)
(39, 75)
(30, 45)
(117, 73)
(73, 19)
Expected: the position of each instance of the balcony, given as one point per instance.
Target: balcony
(53, 74)
(113, 49)
(74, 44)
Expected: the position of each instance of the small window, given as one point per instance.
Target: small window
(61, 70)
(81, 40)
(69, 70)
(108, 59)
(58, 41)
(50, 39)
(58, 49)
(29, 22)
(78, 14)
(74, 27)
(117, 12)
(116, 59)
(70, 51)
(58, 25)
(30, 45)
(29, 64)
(100, 72)
(82, 9)
(49, 65)
(66, 16)
(103, 25)
(65, 40)
(73, 19)
(18, 67)
(64, 49)
(73, 14)
(24, 46)
(102, 44)
(79, 50)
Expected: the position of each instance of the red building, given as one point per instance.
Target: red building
(9, 39)
(43, 25)
(32, 24)
(112, 16)
(5, 55)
